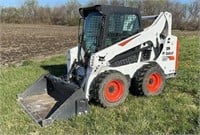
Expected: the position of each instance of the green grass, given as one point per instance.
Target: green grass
(175, 111)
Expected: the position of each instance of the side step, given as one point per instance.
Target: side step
(50, 98)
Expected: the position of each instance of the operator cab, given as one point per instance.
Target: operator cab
(106, 25)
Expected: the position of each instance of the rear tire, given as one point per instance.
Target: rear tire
(149, 80)
(110, 88)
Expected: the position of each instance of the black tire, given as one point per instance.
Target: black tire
(149, 80)
(110, 88)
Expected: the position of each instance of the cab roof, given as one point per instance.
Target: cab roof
(108, 9)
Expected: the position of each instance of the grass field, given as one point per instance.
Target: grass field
(175, 111)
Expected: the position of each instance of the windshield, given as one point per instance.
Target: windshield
(92, 26)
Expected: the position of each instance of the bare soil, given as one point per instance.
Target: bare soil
(184, 33)
(21, 42)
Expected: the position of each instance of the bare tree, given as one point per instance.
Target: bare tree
(179, 13)
(98, 2)
(193, 22)
(44, 15)
(72, 15)
(134, 3)
(117, 2)
(58, 15)
(10, 15)
(185, 16)
(30, 11)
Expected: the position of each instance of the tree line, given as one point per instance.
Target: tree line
(185, 16)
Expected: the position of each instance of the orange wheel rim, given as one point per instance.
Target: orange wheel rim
(154, 82)
(114, 90)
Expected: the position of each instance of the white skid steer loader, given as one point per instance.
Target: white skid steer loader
(114, 53)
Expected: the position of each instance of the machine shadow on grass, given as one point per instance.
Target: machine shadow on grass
(57, 70)
(133, 89)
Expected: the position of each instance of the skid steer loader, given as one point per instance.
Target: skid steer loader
(114, 53)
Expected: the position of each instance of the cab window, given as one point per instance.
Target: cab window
(121, 26)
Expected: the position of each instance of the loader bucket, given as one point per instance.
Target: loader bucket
(50, 98)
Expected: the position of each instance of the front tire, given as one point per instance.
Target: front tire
(111, 88)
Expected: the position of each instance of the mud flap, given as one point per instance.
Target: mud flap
(50, 98)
